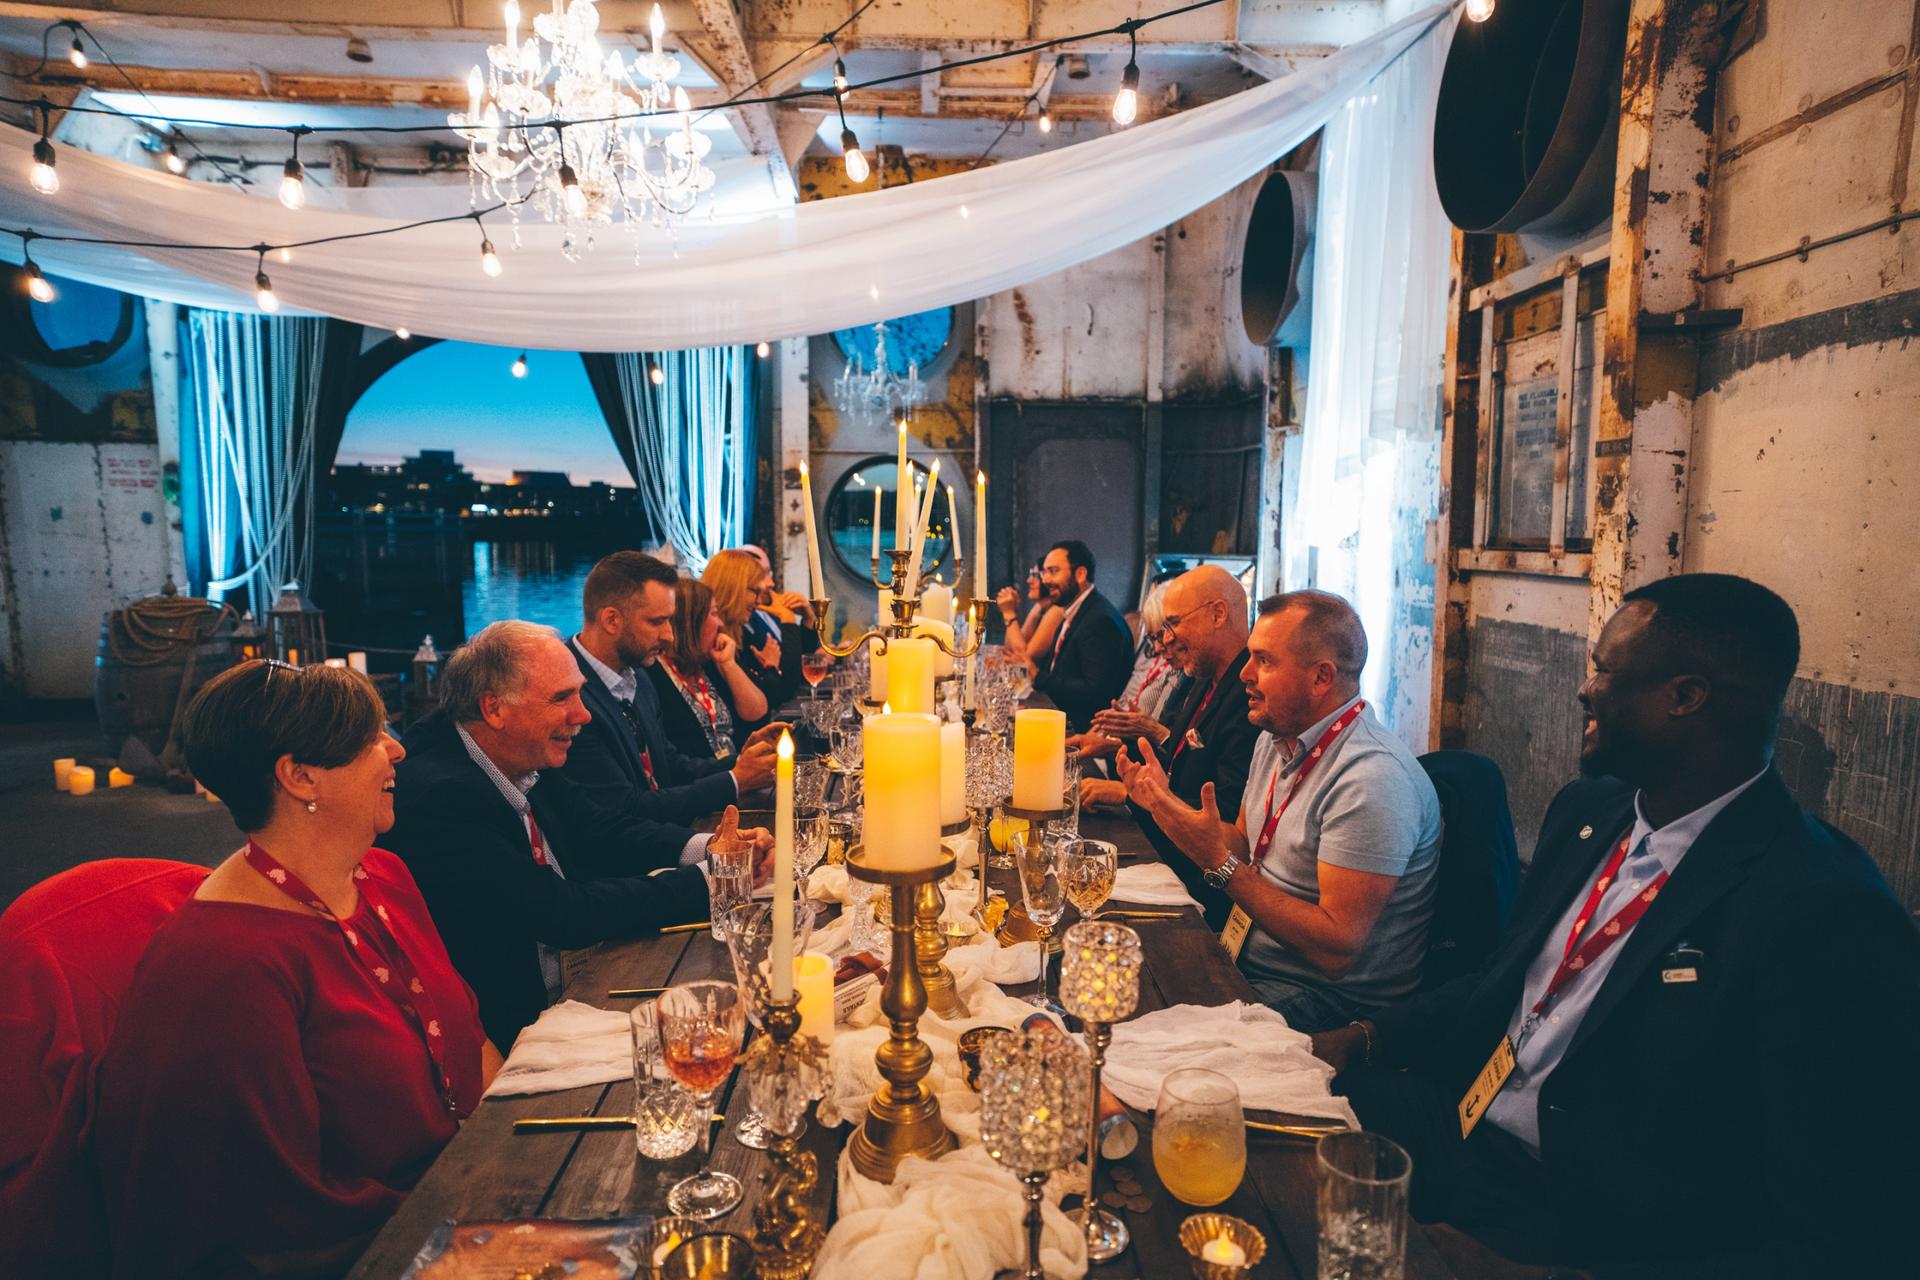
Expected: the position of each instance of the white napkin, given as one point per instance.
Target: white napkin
(1151, 884)
(570, 1045)
(1249, 1044)
(956, 1218)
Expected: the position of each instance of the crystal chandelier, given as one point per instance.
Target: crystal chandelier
(864, 396)
(626, 147)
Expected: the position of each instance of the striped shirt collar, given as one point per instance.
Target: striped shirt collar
(513, 790)
(621, 684)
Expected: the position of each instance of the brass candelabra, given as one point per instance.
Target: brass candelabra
(903, 1117)
(905, 608)
(784, 1073)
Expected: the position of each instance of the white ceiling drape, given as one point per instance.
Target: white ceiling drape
(810, 268)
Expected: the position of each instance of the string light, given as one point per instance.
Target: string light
(39, 288)
(761, 350)
(403, 333)
(1126, 103)
(1479, 10)
(839, 76)
(293, 178)
(570, 192)
(656, 375)
(489, 260)
(520, 365)
(858, 170)
(171, 157)
(75, 54)
(1046, 121)
(44, 178)
(263, 287)
(284, 253)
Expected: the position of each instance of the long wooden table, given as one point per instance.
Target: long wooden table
(489, 1171)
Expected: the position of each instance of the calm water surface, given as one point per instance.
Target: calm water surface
(534, 581)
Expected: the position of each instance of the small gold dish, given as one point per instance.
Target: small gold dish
(669, 1233)
(973, 1042)
(1203, 1228)
(720, 1256)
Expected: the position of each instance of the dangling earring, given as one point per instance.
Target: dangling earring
(312, 807)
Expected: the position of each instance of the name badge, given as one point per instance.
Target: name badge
(1485, 1086)
(1680, 975)
(1234, 936)
(1193, 740)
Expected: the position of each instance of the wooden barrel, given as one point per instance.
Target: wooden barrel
(137, 682)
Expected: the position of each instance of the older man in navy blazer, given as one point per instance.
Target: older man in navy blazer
(1693, 1054)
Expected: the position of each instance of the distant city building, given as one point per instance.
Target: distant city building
(434, 481)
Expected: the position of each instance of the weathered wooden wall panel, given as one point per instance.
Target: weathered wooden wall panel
(1849, 754)
(1521, 711)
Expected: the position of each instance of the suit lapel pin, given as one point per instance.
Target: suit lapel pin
(1585, 832)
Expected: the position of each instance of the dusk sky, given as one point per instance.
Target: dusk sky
(459, 396)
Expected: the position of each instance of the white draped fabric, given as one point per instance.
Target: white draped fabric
(812, 268)
(1369, 448)
(252, 382)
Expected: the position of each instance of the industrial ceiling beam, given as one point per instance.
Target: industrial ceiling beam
(730, 63)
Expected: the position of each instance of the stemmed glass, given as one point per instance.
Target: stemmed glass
(1199, 1136)
(810, 831)
(810, 777)
(749, 929)
(701, 1026)
(1090, 868)
(1040, 862)
(814, 666)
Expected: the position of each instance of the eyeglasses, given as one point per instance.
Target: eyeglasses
(1174, 620)
(274, 667)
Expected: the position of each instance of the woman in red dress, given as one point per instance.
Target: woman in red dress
(295, 1048)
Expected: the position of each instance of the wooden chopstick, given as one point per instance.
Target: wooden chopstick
(535, 1124)
(1297, 1130)
(634, 991)
(695, 927)
(1145, 915)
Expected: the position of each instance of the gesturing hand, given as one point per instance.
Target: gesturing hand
(768, 654)
(768, 732)
(1146, 781)
(1009, 601)
(1115, 723)
(753, 769)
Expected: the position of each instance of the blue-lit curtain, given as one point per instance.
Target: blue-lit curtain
(253, 388)
(688, 441)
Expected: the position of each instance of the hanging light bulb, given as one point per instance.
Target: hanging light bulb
(571, 195)
(656, 375)
(403, 333)
(263, 289)
(75, 54)
(858, 170)
(171, 157)
(1126, 103)
(293, 183)
(38, 286)
(489, 260)
(839, 76)
(1479, 10)
(761, 350)
(45, 179)
(1046, 121)
(520, 365)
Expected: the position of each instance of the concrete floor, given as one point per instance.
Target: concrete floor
(54, 831)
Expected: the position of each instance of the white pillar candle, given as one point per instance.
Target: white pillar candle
(781, 961)
(902, 824)
(933, 627)
(1039, 758)
(358, 661)
(910, 675)
(953, 773)
(813, 980)
(936, 602)
(877, 673)
(816, 583)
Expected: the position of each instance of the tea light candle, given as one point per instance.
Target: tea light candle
(902, 826)
(337, 662)
(953, 773)
(118, 778)
(1222, 1251)
(80, 781)
(813, 982)
(1039, 758)
(61, 768)
(910, 670)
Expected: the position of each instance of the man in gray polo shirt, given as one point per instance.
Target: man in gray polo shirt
(1332, 862)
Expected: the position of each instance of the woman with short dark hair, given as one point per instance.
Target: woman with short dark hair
(708, 703)
(295, 1048)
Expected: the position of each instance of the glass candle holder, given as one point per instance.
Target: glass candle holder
(1100, 971)
(1035, 1106)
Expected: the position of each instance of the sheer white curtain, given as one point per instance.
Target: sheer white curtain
(693, 449)
(252, 384)
(1370, 445)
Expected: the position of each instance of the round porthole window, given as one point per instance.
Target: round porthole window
(867, 492)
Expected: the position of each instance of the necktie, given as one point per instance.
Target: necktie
(639, 740)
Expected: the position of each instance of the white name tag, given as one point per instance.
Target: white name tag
(1234, 936)
(1679, 975)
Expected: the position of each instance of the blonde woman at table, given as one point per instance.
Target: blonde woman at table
(296, 1047)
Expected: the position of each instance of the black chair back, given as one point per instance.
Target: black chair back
(1479, 864)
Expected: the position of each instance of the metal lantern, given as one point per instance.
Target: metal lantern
(249, 639)
(298, 627)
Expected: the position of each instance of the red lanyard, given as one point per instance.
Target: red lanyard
(1193, 723)
(646, 767)
(1146, 682)
(380, 953)
(1579, 955)
(535, 839)
(702, 693)
(1334, 730)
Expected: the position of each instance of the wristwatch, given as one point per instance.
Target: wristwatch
(1220, 875)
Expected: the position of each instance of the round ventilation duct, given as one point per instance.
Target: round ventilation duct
(1279, 238)
(1528, 117)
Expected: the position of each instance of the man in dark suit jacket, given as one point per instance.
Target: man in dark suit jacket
(1092, 653)
(1723, 1085)
(513, 862)
(622, 757)
(1206, 736)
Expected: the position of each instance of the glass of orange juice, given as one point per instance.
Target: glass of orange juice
(1199, 1136)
